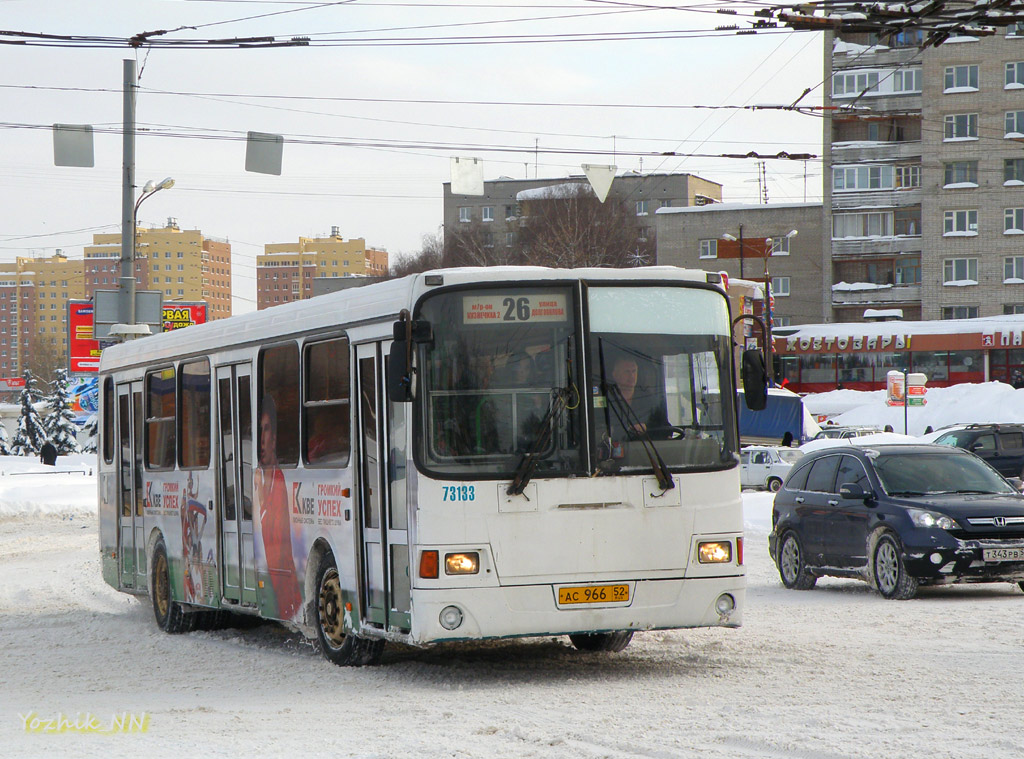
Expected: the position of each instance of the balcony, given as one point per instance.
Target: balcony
(879, 295)
(867, 199)
(862, 151)
(860, 56)
(856, 247)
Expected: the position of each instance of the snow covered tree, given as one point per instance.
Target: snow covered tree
(59, 425)
(30, 435)
(91, 430)
(5, 441)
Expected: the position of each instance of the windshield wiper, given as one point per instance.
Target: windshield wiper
(524, 471)
(906, 492)
(629, 420)
(960, 492)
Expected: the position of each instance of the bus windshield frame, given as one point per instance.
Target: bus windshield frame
(510, 370)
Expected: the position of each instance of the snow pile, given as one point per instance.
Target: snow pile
(988, 402)
(29, 487)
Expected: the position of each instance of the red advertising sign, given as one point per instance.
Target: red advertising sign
(12, 383)
(83, 350)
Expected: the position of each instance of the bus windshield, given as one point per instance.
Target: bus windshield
(493, 381)
(659, 364)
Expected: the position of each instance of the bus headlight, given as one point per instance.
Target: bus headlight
(717, 552)
(462, 563)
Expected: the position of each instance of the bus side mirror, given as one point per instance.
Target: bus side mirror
(755, 379)
(399, 374)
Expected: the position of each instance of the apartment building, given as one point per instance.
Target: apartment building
(777, 241)
(925, 182)
(500, 209)
(34, 295)
(183, 264)
(286, 272)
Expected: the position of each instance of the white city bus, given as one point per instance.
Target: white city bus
(462, 454)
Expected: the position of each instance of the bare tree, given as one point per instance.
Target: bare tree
(430, 256)
(570, 228)
(474, 245)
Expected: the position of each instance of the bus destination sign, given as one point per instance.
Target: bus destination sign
(495, 309)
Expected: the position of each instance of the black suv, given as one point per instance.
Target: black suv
(1001, 445)
(897, 516)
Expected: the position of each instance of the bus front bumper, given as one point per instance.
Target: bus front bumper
(526, 610)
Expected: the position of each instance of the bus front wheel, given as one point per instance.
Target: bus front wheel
(612, 642)
(336, 644)
(170, 617)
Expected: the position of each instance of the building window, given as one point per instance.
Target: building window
(855, 84)
(782, 321)
(960, 223)
(961, 126)
(961, 173)
(780, 246)
(861, 225)
(488, 213)
(908, 271)
(960, 312)
(907, 80)
(1014, 76)
(1014, 124)
(641, 208)
(1013, 221)
(960, 270)
(863, 178)
(908, 176)
(709, 248)
(1013, 267)
(465, 213)
(961, 78)
(780, 286)
(1013, 308)
(666, 204)
(1013, 170)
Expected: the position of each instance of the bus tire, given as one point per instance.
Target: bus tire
(170, 616)
(339, 646)
(610, 642)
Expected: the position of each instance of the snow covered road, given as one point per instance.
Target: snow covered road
(834, 672)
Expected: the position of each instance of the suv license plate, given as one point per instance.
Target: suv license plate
(593, 594)
(1002, 554)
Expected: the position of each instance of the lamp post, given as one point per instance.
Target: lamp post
(150, 189)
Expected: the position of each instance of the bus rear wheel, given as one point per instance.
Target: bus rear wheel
(611, 642)
(336, 644)
(170, 616)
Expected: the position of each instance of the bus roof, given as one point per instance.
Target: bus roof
(379, 301)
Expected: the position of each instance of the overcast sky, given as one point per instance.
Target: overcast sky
(385, 182)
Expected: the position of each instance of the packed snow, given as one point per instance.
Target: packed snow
(832, 673)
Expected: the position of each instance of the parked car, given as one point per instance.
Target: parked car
(897, 516)
(766, 466)
(836, 431)
(1001, 445)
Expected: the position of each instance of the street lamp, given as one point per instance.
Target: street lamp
(768, 305)
(131, 329)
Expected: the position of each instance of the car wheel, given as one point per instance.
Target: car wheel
(774, 484)
(336, 644)
(612, 642)
(889, 574)
(792, 569)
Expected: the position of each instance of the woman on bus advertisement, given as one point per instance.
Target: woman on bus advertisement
(274, 515)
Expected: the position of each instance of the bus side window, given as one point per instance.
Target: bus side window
(108, 420)
(194, 440)
(326, 404)
(279, 405)
(160, 419)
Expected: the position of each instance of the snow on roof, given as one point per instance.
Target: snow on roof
(984, 324)
(883, 313)
(555, 191)
(736, 207)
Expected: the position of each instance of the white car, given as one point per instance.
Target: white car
(766, 466)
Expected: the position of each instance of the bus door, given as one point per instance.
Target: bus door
(131, 531)
(234, 432)
(383, 520)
